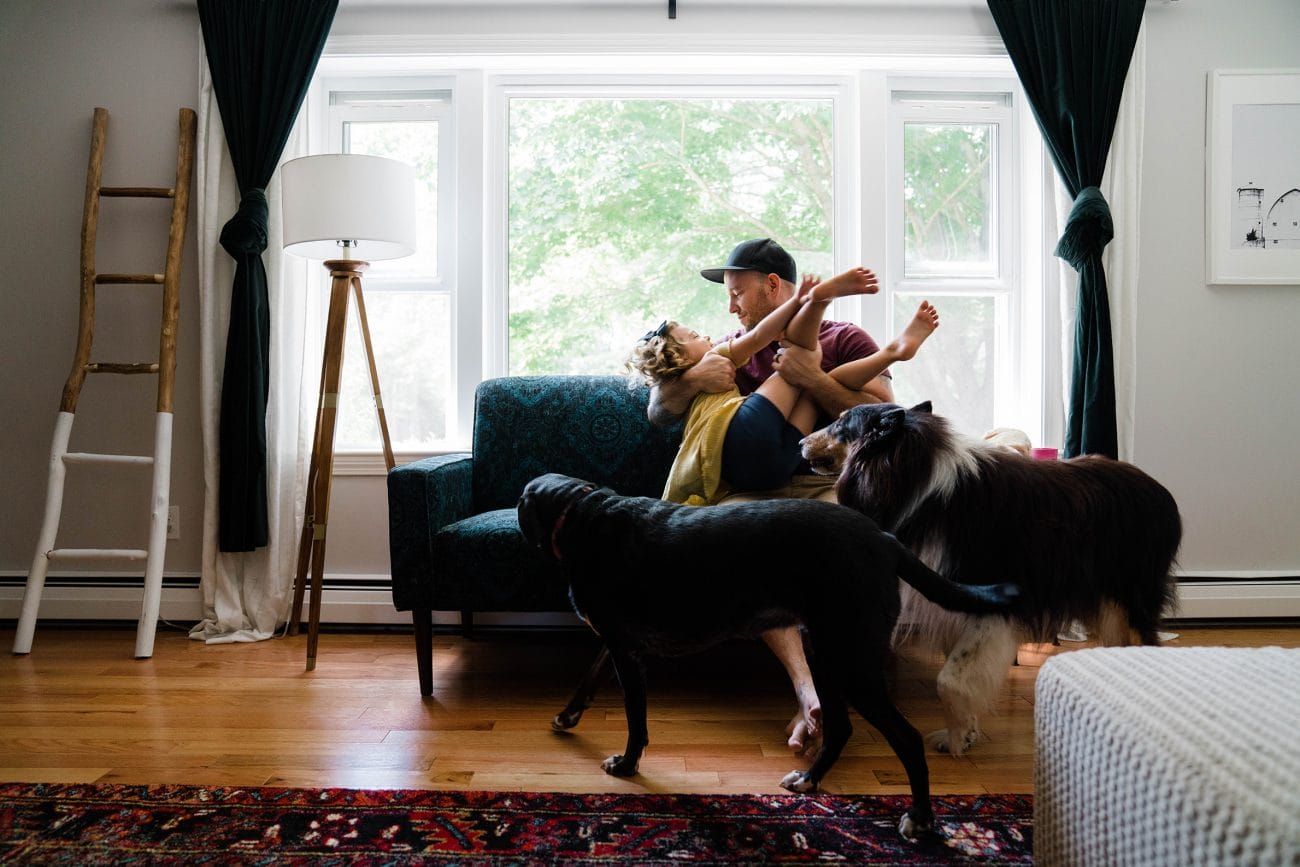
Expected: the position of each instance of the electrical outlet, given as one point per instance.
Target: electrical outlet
(173, 522)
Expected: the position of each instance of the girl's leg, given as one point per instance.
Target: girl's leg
(856, 374)
(806, 323)
(803, 331)
(804, 415)
(782, 394)
(799, 409)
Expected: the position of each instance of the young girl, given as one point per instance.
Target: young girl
(776, 415)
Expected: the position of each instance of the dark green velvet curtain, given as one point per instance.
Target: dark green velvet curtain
(262, 54)
(1072, 57)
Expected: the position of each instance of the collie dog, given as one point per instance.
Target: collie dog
(1089, 539)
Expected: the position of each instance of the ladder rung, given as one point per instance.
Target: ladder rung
(93, 458)
(98, 553)
(138, 192)
(111, 367)
(121, 279)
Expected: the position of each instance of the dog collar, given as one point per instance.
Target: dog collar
(559, 522)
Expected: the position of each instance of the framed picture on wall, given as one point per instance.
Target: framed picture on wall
(1252, 176)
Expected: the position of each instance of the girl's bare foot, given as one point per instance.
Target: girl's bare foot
(905, 345)
(855, 281)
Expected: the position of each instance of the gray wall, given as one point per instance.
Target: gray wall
(59, 60)
(1217, 409)
(1218, 378)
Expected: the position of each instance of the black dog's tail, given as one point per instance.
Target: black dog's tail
(966, 598)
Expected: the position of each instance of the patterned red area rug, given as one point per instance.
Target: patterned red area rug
(115, 824)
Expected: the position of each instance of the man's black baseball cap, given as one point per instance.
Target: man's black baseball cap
(760, 254)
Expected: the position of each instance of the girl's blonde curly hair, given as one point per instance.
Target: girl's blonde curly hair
(657, 357)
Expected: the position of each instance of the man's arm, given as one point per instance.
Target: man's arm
(879, 390)
(744, 346)
(670, 400)
(771, 327)
(802, 369)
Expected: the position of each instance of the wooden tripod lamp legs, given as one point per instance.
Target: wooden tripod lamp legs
(346, 281)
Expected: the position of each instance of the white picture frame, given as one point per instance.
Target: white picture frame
(1252, 177)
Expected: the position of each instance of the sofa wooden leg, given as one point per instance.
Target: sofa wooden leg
(422, 619)
(467, 623)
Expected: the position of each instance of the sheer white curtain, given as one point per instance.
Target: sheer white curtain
(1122, 187)
(247, 596)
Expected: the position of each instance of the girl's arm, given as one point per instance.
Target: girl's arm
(770, 327)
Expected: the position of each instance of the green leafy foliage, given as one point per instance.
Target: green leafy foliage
(955, 369)
(616, 205)
(946, 193)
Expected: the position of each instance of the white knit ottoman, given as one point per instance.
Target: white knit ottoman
(1168, 756)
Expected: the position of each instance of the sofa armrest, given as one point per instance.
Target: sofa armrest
(423, 497)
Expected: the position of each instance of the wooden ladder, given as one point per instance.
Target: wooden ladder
(164, 367)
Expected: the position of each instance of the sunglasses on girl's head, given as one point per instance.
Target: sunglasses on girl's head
(661, 331)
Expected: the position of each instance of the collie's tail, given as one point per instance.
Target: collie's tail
(966, 598)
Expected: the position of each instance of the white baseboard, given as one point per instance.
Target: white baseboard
(1235, 598)
(184, 606)
(1198, 600)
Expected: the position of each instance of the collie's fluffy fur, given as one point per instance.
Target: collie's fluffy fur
(1089, 539)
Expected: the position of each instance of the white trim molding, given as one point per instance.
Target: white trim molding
(894, 47)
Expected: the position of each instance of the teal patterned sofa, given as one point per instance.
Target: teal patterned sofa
(453, 537)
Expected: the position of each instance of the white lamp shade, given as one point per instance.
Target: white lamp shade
(365, 200)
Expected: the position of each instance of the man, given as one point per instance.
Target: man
(759, 275)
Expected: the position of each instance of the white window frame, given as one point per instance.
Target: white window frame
(446, 281)
(475, 271)
(840, 90)
(440, 110)
(1018, 392)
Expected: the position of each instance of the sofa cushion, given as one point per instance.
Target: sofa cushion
(591, 427)
(484, 564)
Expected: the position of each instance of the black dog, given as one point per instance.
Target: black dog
(654, 578)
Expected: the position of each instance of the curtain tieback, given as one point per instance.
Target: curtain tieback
(246, 231)
(1088, 230)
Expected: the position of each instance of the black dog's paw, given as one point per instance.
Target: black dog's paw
(565, 720)
(619, 766)
(913, 828)
(799, 782)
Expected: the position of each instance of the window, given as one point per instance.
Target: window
(409, 302)
(566, 213)
(952, 212)
(617, 200)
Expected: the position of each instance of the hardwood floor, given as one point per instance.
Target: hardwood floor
(80, 709)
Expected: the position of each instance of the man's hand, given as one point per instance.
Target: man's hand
(670, 400)
(798, 366)
(711, 374)
(802, 368)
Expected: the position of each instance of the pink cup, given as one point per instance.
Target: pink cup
(1045, 454)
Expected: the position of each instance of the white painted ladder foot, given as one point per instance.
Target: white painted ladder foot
(164, 368)
(153, 556)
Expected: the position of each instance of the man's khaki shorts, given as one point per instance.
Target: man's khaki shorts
(800, 488)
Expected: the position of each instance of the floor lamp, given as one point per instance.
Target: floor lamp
(346, 209)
